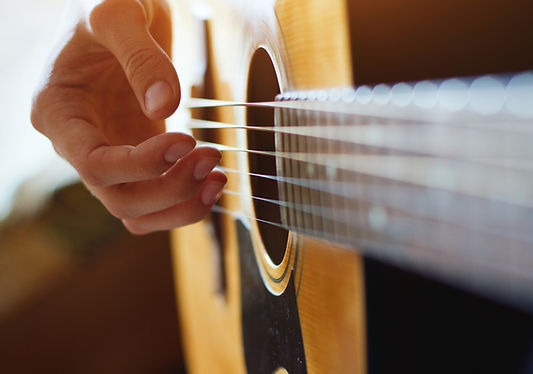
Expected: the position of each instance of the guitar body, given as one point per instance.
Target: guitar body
(257, 299)
(325, 283)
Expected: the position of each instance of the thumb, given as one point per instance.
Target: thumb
(122, 27)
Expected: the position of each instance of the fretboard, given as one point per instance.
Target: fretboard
(434, 176)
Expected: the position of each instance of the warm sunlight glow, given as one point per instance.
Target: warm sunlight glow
(28, 29)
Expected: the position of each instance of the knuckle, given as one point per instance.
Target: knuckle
(35, 118)
(35, 115)
(138, 65)
(58, 150)
(53, 104)
(91, 163)
(139, 166)
(37, 109)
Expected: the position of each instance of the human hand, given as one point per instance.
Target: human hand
(103, 105)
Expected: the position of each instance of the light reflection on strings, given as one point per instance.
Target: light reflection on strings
(489, 96)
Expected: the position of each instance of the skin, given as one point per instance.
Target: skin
(103, 105)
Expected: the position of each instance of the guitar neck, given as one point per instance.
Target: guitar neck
(432, 176)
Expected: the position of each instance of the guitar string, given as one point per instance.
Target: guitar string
(332, 214)
(377, 166)
(379, 244)
(289, 155)
(289, 129)
(431, 115)
(199, 103)
(412, 249)
(515, 157)
(328, 236)
(307, 183)
(311, 232)
(412, 255)
(518, 127)
(376, 137)
(344, 161)
(379, 193)
(347, 190)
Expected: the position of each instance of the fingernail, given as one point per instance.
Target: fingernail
(212, 192)
(204, 167)
(157, 96)
(177, 151)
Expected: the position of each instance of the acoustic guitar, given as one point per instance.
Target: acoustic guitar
(379, 210)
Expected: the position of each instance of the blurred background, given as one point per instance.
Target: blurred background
(28, 30)
(78, 294)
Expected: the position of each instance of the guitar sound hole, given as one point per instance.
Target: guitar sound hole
(263, 86)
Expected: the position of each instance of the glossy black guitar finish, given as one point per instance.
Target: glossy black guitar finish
(269, 323)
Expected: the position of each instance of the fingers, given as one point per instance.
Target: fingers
(189, 182)
(122, 27)
(113, 165)
(180, 183)
(182, 214)
(100, 164)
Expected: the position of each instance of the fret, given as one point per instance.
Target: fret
(280, 140)
(297, 196)
(320, 173)
(302, 147)
(332, 173)
(354, 205)
(315, 196)
(287, 168)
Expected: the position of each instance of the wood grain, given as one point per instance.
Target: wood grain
(308, 42)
